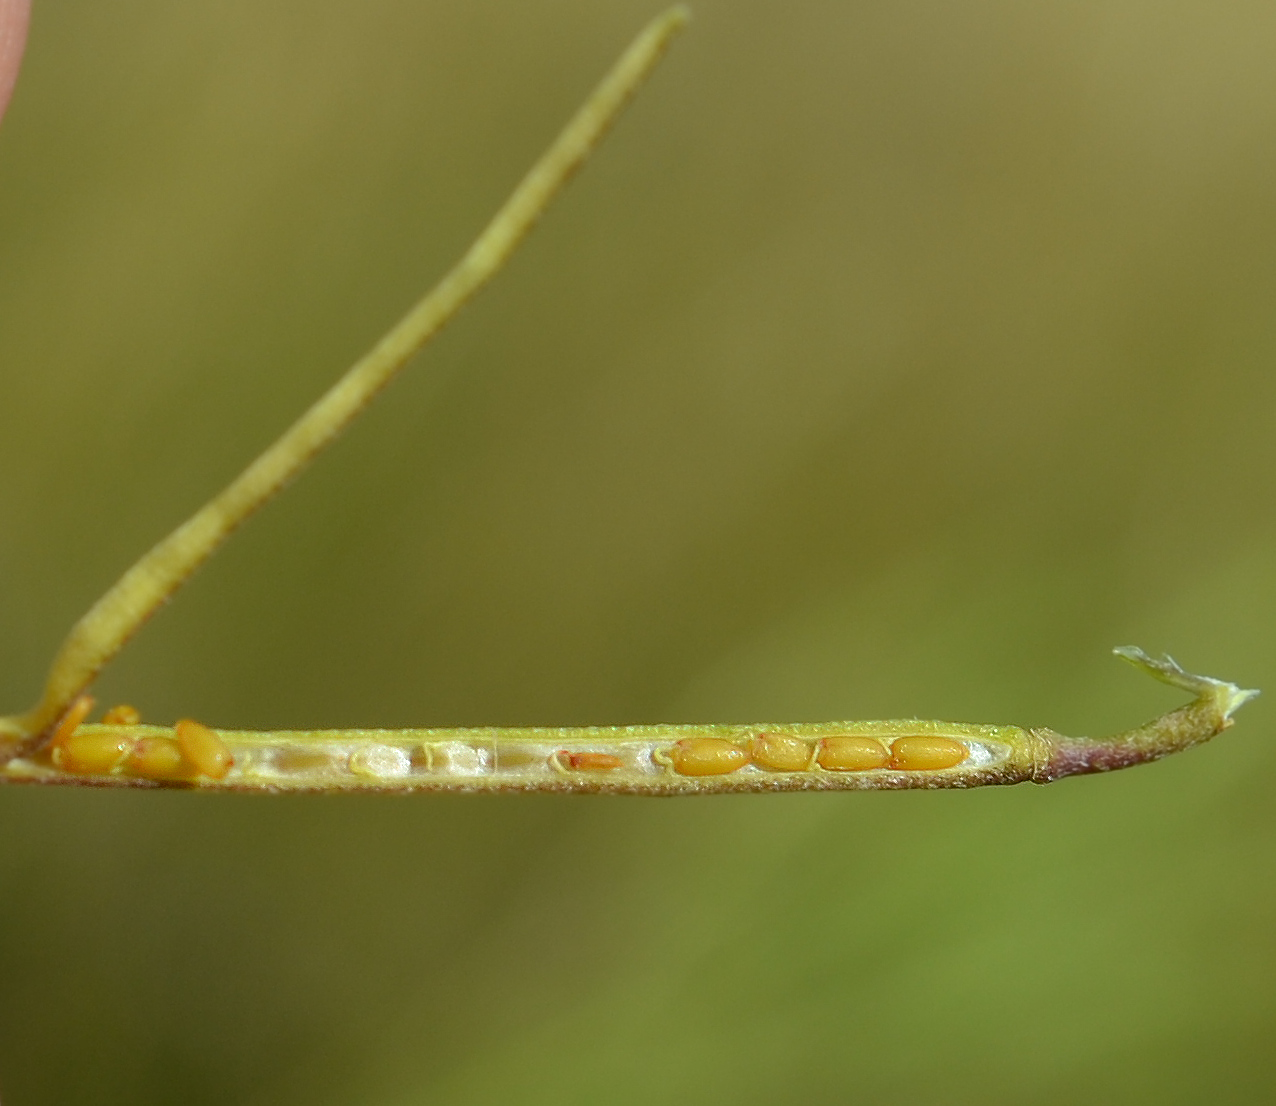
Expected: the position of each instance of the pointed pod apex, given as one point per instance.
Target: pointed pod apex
(1228, 698)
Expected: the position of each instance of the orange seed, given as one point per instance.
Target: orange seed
(852, 754)
(592, 762)
(707, 756)
(927, 754)
(122, 715)
(158, 758)
(92, 754)
(203, 748)
(780, 753)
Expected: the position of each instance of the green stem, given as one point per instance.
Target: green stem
(125, 608)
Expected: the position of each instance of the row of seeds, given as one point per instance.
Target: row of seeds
(774, 752)
(193, 751)
(716, 756)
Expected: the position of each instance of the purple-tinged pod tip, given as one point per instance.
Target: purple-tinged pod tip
(1208, 715)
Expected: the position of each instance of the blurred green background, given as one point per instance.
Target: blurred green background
(891, 359)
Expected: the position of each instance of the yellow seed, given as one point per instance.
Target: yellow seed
(707, 756)
(780, 753)
(92, 754)
(122, 715)
(851, 754)
(203, 748)
(158, 758)
(76, 713)
(927, 754)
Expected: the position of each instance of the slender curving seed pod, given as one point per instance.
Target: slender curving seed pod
(645, 760)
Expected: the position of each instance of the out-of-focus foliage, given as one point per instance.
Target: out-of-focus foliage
(892, 358)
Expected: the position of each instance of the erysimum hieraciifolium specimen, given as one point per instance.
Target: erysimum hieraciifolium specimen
(55, 743)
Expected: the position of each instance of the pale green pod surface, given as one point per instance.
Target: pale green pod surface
(645, 760)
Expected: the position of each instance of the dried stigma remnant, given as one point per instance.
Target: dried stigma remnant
(52, 744)
(647, 760)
